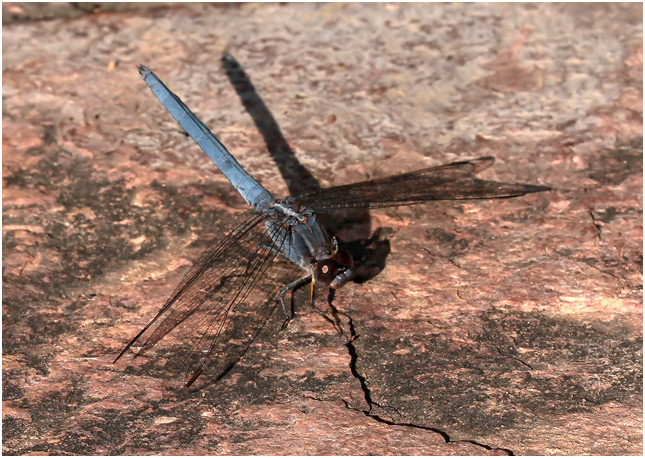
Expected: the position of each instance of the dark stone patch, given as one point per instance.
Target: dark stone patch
(87, 247)
(612, 167)
(600, 347)
(609, 214)
(106, 431)
(12, 429)
(27, 325)
(447, 244)
(485, 383)
(10, 391)
(441, 235)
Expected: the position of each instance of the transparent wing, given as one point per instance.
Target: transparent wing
(446, 182)
(221, 302)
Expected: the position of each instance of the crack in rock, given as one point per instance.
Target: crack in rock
(596, 224)
(589, 264)
(499, 350)
(451, 259)
(371, 403)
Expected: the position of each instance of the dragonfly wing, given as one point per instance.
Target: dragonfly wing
(221, 303)
(453, 181)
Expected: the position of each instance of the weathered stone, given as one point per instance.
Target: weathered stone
(478, 327)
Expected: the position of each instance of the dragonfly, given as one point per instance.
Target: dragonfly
(234, 280)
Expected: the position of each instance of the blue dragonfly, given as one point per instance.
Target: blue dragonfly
(234, 281)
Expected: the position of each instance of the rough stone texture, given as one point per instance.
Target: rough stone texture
(510, 326)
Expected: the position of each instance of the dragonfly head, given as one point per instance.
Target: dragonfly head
(334, 271)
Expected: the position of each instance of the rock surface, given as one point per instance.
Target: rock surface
(492, 327)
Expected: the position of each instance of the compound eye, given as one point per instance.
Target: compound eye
(344, 259)
(325, 271)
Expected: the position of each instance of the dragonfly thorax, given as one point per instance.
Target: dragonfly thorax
(292, 208)
(300, 236)
(310, 247)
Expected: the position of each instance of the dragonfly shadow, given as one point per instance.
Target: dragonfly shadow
(232, 357)
(244, 324)
(298, 179)
(353, 229)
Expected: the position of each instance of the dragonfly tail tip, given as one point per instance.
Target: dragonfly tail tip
(193, 378)
(143, 69)
(537, 188)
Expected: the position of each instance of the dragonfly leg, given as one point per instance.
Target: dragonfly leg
(334, 323)
(291, 287)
